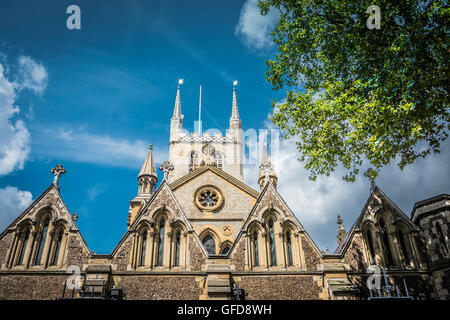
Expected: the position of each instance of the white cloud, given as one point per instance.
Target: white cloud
(14, 136)
(317, 203)
(32, 75)
(79, 145)
(12, 202)
(254, 28)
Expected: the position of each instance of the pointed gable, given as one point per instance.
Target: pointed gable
(377, 203)
(271, 201)
(49, 202)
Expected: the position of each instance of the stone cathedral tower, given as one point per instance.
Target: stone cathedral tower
(187, 151)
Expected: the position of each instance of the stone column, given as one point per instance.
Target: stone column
(34, 250)
(12, 251)
(49, 249)
(147, 250)
(151, 248)
(283, 250)
(265, 250)
(170, 238)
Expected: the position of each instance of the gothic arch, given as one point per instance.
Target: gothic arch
(371, 241)
(405, 244)
(225, 247)
(193, 160)
(385, 230)
(208, 231)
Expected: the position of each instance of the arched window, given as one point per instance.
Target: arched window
(193, 160)
(43, 237)
(255, 248)
(219, 156)
(210, 244)
(225, 250)
(24, 246)
(443, 242)
(273, 256)
(57, 248)
(371, 248)
(289, 248)
(143, 248)
(405, 252)
(177, 248)
(387, 247)
(162, 225)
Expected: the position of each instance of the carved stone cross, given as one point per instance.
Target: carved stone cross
(166, 167)
(57, 172)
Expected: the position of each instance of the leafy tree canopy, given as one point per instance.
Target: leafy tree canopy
(358, 96)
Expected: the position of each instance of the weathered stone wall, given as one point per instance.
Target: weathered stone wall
(312, 258)
(196, 256)
(39, 286)
(149, 287)
(238, 255)
(76, 252)
(354, 255)
(441, 280)
(122, 256)
(5, 245)
(237, 203)
(280, 287)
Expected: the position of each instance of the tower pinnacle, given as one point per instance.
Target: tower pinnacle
(149, 168)
(147, 176)
(234, 110)
(177, 107)
(266, 171)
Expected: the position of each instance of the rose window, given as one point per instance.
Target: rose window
(208, 198)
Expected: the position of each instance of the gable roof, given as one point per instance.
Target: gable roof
(357, 224)
(250, 215)
(162, 186)
(221, 173)
(35, 202)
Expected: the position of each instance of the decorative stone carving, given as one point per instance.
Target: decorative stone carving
(57, 172)
(208, 155)
(341, 230)
(227, 230)
(166, 167)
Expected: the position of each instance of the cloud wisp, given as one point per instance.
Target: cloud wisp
(81, 146)
(12, 202)
(14, 135)
(253, 28)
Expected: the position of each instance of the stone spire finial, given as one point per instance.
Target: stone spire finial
(149, 168)
(368, 174)
(147, 177)
(234, 110)
(57, 172)
(75, 217)
(177, 108)
(341, 230)
(266, 171)
(166, 167)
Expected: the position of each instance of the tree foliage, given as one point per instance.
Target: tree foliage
(359, 97)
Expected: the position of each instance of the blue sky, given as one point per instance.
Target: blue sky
(98, 96)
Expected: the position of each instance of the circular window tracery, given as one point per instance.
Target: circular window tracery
(208, 198)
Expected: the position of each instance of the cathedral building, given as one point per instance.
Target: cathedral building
(204, 234)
